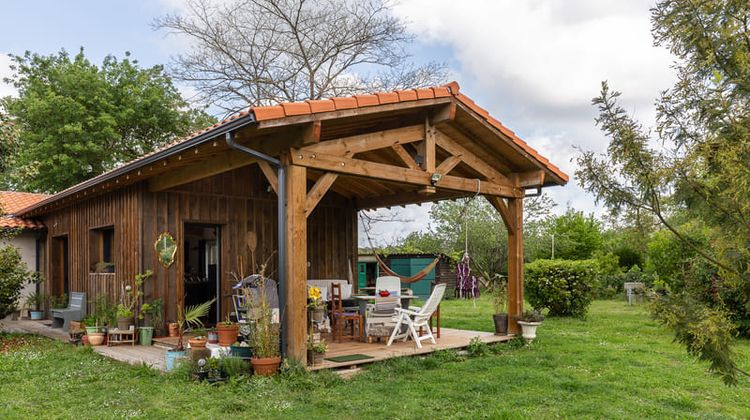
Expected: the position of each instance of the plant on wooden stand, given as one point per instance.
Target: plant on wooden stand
(131, 297)
(316, 304)
(264, 333)
(500, 305)
(316, 351)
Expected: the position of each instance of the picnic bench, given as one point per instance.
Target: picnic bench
(75, 311)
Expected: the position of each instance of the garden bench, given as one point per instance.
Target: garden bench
(75, 311)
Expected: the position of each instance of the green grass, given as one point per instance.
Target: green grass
(616, 364)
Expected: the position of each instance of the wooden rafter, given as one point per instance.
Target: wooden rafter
(270, 175)
(448, 164)
(529, 179)
(405, 156)
(316, 193)
(370, 141)
(358, 167)
(502, 208)
(217, 164)
(405, 198)
(474, 161)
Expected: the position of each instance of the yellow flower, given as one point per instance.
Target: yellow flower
(314, 293)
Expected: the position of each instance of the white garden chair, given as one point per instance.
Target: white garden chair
(389, 283)
(415, 318)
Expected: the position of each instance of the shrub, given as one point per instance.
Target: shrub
(562, 286)
(13, 274)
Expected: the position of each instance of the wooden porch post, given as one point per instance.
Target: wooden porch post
(295, 312)
(515, 263)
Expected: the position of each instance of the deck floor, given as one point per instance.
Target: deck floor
(154, 356)
(449, 339)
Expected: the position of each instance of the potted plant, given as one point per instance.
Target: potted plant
(316, 352)
(35, 300)
(150, 313)
(499, 303)
(264, 333)
(316, 304)
(124, 317)
(212, 335)
(190, 316)
(241, 349)
(199, 340)
(529, 321)
(227, 331)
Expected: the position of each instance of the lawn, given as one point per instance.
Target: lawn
(616, 364)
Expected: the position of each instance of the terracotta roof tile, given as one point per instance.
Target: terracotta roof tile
(406, 95)
(441, 92)
(367, 100)
(263, 113)
(387, 97)
(424, 93)
(11, 202)
(296, 108)
(344, 103)
(322, 105)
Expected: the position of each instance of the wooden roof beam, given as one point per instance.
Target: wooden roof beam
(363, 168)
(370, 141)
(219, 163)
(474, 161)
(529, 179)
(406, 198)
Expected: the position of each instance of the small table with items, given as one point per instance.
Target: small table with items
(118, 336)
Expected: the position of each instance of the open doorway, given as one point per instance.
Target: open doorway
(202, 256)
(59, 272)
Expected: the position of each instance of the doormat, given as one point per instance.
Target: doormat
(349, 358)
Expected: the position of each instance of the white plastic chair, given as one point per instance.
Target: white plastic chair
(415, 319)
(389, 283)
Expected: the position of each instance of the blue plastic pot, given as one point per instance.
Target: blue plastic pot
(173, 356)
(36, 315)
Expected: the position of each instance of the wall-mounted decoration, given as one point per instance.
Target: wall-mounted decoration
(166, 248)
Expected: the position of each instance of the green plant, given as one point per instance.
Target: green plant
(499, 294)
(106, 311)
(264, 333)
(124, 312)
(562, 286)
(190, 316)
(477, 347)
(58, 301)
(531, 316)
(233, 367)
(154, 310)
(35, 300)
(320, 347)
(13, 274)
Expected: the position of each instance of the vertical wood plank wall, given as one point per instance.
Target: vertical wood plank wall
(119, 209)
(238, 201)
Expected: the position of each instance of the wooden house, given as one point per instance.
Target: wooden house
(323, 160)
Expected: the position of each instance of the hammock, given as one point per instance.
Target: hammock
(413, 279)
(383, 266)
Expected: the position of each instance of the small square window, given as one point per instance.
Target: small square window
(102, 250)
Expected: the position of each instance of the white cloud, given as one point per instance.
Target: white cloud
(536, 64)
(5, 89)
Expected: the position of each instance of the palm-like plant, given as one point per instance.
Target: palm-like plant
(190, 316)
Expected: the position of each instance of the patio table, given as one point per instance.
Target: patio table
(363, 300)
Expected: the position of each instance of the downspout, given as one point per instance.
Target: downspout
(280, 193)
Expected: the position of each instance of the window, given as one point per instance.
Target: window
(102, 250)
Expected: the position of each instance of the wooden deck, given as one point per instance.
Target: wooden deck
(154, 356)
(449, 339)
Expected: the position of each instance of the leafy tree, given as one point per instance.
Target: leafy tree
(700, 172)
(576, 236)
(267, 51)
(76, 120)
(13, 273)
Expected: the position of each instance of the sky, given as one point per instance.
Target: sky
(533, 64)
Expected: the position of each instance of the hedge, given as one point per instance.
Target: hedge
(564, 287)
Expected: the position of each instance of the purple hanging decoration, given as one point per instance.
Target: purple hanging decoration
(467, 285)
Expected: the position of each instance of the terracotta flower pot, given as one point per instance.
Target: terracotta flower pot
(197, 342)
(227, 334)
(173, 329)
(96, 339)
(266, 366)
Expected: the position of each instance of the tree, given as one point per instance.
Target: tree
(576, 236)
(13, 273)
(259, 52)
(76, 120)
(700, 172)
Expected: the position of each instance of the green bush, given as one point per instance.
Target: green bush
(562, 286)
(13, 275)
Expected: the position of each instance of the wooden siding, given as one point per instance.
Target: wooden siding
(120, 209)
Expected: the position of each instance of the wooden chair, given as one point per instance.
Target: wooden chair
(339, 316)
